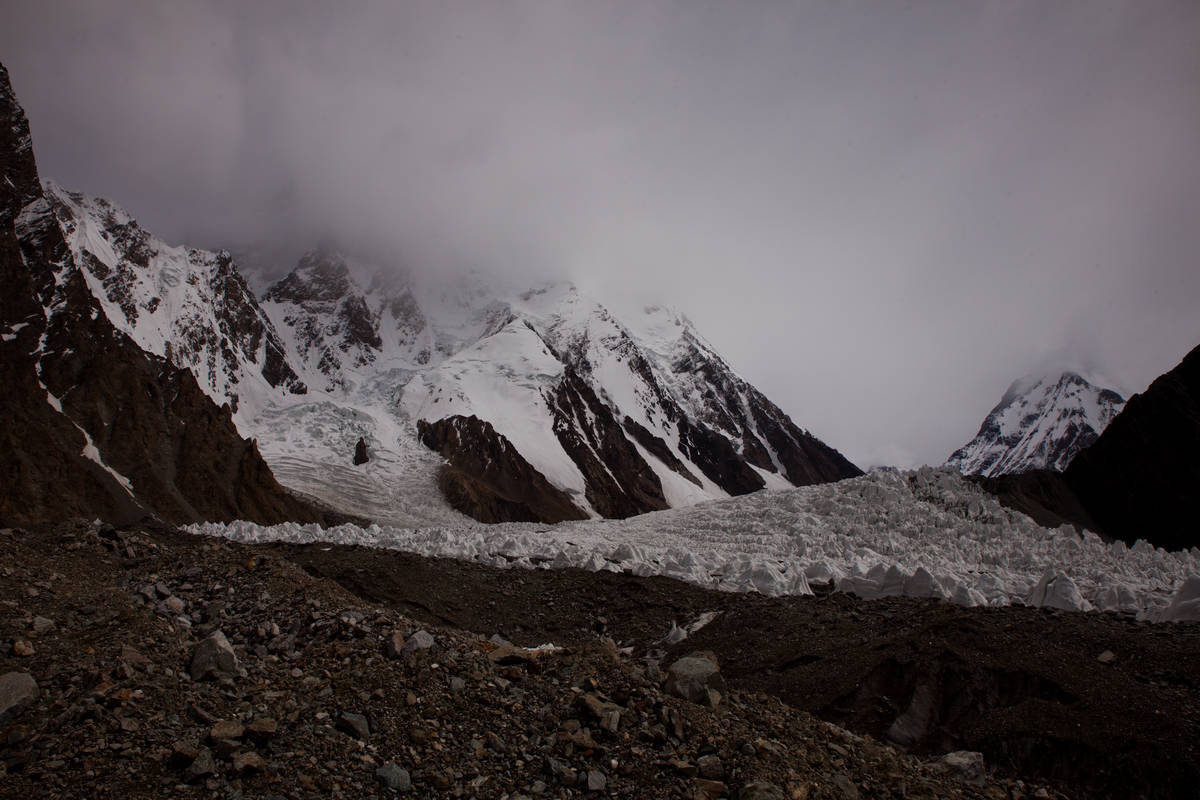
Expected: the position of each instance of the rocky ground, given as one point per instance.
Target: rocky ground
(1097, 705)
(149, 663)
(142, 662)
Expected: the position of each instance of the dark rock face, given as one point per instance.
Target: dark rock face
(619, 481)
(740, 413)
(731, 429)
(805, 459)
(134, 436)
(486, 478)
(1042, 494)
(1141, 478)
(360, 452)
(1138, 480)
(717, 459)
(657, 448)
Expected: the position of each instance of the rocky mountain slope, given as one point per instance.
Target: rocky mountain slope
(1040, 423)
(93, 425)
(1141, 478)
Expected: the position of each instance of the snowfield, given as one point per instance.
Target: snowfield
(922, 533)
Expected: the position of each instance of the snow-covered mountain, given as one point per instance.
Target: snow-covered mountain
(189, 306)
(541, 388)
(1041, 423)
(619, 416)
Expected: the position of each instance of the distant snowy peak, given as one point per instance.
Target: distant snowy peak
(1040, 423)
(189, 306)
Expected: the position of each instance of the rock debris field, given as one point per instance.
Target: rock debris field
(149, 663)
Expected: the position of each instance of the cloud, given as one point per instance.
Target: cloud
(881, 214)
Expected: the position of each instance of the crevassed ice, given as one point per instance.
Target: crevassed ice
(922, 533)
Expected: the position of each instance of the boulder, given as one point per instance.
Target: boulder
(696, 677)
(214, 658)
(18, 691)
(355, 725)
(421, 640)
(966, 765)
(394, 777)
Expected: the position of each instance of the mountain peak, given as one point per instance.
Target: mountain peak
(1041, 422)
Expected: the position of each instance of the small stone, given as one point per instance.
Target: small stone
(226, 748)
(201, 767)
(393, 646)
(760, 790)
(23, 648)
(175, 604)
(214, 658)
(1107, 657)
(132, 657)
(596, 781)
(355, 725)
(508, 655)
(848, 789)
(249, 763)
(966, 765)
(183, 753)
(418, 735)
(18, 691)
(421, 640)
(440, 780)
(711, 767)
(710, 789)
(261, 729)
(394, 777)
(226, 729)
(685, 768)
(42, 625)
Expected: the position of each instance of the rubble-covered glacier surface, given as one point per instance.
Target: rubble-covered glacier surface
(922, 533)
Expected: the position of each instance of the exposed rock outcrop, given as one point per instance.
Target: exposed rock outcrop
(1141, 478)
(90, 424)
(486, 478)
(1138, 480)
(717, 459)
(619, 481)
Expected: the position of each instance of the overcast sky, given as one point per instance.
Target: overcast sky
(880, 212)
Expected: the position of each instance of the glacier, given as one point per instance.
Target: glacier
(921, 533)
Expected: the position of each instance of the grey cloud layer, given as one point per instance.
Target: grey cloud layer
(881, 212)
